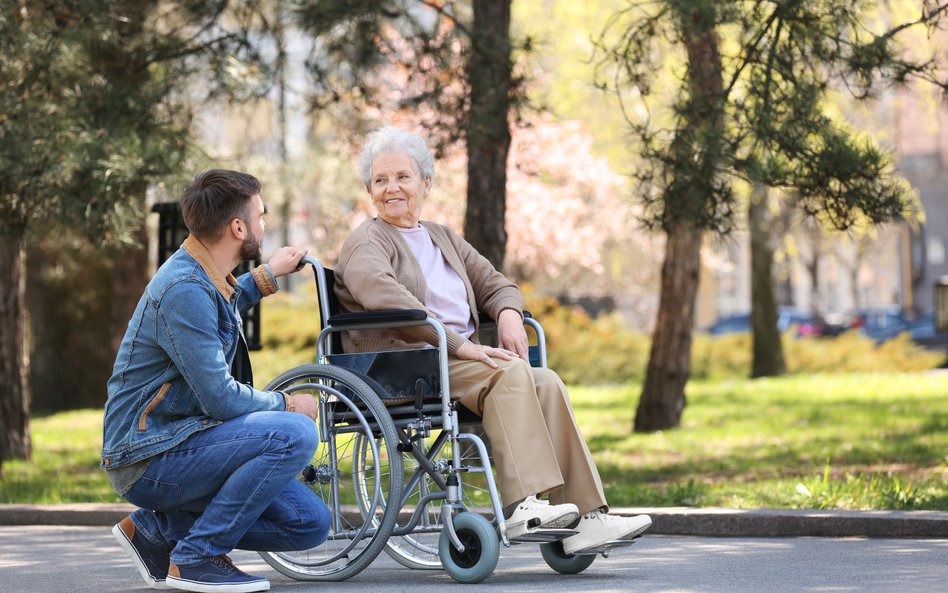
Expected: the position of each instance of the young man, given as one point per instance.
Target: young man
(210, 460)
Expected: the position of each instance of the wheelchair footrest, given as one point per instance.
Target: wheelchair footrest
(538, 535)
(607, 547)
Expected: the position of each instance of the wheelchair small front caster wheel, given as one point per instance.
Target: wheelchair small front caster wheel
(481, 549)
(562, 563)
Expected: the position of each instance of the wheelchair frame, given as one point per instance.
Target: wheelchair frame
(351, 402)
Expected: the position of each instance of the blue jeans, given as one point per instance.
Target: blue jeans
(232, 486)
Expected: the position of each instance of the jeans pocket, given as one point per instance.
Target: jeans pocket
(154, 495)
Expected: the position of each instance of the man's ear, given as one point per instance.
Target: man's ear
(238, 229)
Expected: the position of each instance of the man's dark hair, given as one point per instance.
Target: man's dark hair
(214, 199)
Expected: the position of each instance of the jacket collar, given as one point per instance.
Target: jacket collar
(197, 250)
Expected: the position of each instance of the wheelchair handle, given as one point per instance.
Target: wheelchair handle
(307, 259)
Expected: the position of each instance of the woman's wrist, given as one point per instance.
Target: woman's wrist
(517, 312)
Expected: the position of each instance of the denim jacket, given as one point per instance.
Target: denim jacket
(172, 375)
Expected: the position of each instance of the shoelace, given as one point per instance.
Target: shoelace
(224, 562)
(597, 514)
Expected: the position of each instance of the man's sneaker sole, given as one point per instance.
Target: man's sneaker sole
(133, 555)
(186, 585)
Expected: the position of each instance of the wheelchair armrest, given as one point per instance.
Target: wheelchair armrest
(488, 335)
(485, 318)
(385, 316)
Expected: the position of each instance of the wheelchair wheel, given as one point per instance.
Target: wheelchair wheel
(481, 549)
(562, 563)
(420, 548)
(352, 471)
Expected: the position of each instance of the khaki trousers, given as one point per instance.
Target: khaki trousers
(535, 443)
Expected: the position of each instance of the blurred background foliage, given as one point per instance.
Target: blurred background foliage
(601, 350)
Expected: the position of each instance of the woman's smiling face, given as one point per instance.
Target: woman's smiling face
(398, 189)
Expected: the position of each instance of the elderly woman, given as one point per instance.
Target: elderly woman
(398, 261)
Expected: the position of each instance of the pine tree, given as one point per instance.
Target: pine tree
(757, 115)
(90, 113)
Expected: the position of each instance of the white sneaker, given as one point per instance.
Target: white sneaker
(597, 528)
(533, 513)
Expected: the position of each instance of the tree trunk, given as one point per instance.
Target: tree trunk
(130, 275)
(768, 358)
(69, 320)
(14, 363)
(669, 363)
(697, 141)
(813, 270)
(488, 129)
(286, 204)
(854, 278)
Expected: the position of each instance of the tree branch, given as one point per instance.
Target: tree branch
(922, 20)
(750, 51)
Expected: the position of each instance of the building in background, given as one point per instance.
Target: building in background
(922, 144)
(835, 275)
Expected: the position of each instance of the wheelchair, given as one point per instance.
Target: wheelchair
(396, 464)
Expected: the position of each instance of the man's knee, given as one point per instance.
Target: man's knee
(301, 435)
(315, 521)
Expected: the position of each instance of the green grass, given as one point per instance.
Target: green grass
(65, 463)
(827, 441)
(831, 441)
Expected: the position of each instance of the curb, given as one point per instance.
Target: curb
(87, 514)
(717, 522)
(707, 522)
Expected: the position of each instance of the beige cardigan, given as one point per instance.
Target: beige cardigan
(377, 270)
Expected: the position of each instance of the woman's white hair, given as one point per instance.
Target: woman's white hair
(390, 139)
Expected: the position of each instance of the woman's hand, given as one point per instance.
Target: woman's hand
(485, 354)
(511, 335)
(286, 260)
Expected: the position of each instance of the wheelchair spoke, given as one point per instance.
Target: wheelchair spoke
(350, 471)
(418, 546)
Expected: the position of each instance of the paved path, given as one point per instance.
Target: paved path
(64, 559)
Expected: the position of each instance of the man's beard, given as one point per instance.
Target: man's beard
(250, 249)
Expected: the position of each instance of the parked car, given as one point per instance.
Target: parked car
(881, 323)
(731, 324)
(884, 323)
(806, 324)
(878, 323)
(924, 334)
